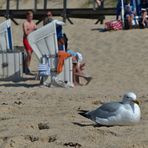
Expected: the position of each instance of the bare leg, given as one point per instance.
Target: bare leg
(82, 66)
(28, 60)
(88, 79)
(79, 73)
(129, 19)
(144, 19)
(75, 77)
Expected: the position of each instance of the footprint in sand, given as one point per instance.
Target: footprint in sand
(48, 139)
(52, 139)
(43, 126)
(71, 144)
(4, 103)
(32, 138)
(18, 102)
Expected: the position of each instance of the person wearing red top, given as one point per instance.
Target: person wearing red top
(28, 27)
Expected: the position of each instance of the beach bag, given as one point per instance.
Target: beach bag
(114, 25)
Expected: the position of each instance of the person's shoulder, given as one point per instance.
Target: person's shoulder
(33, 23)
(25, 22)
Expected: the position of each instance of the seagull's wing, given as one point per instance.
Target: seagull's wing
(105, 111)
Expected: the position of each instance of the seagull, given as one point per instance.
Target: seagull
(126, 112)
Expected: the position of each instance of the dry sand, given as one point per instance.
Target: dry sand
(117, 61)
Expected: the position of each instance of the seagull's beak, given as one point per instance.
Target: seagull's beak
(136, 101)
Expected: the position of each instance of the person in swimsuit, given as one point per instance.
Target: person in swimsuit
(28, 27)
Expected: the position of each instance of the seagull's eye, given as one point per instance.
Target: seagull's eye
(127, 97)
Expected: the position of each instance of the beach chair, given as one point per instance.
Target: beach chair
(11, 65)
(6, 36)
(44, 44)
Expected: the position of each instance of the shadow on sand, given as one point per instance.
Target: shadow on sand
(99, 29)
(83, 114)
(20, 85)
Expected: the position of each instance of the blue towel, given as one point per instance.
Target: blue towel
(72, 53)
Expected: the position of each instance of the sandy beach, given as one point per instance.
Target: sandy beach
(118, 63)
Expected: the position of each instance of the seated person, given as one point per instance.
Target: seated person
(144, 20)
(78, 68)
(61, 43)
(61, 38)
(129, 13)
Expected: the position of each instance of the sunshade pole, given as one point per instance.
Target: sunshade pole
(122, 12)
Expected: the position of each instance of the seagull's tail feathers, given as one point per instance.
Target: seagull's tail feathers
(84, 113)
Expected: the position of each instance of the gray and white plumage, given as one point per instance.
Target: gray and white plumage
(125, 112)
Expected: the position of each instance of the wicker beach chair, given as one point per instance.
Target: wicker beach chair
(45, 45)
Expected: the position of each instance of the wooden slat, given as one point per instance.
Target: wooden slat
(7, 9)
(45, 4)
(17, 4)
(64, 10)
(73, 13)
(35, 4)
